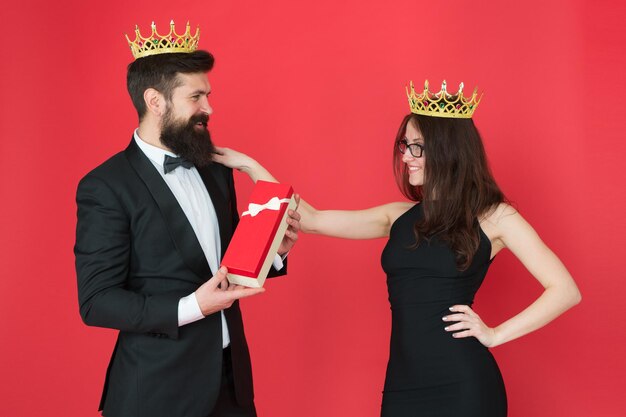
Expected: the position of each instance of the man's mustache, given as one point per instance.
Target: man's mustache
(199, 118)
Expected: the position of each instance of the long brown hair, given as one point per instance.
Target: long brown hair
(458, 185)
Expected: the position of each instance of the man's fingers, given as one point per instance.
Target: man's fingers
(234, 287)
(224, 285)
(218, 278)
(238, 293)
(223, 280)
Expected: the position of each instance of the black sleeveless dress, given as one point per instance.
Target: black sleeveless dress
(430, 373)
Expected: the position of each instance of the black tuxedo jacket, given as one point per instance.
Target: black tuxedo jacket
(136, 256)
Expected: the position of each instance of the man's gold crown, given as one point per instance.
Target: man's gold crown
(163, 44)
(443, 104)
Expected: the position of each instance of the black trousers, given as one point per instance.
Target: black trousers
(226, 405)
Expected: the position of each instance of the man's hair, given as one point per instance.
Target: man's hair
(160, 72)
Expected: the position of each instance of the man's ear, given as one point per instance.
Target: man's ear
(155, 102)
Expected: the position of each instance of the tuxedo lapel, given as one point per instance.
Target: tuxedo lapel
(179, 227)
(218, 191)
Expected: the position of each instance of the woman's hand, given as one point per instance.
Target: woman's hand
(469, 324)
(233, 159)
(291, 235)
(242, 162)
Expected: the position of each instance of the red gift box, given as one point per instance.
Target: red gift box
(261, 228)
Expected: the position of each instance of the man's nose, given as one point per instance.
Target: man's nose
(206, 107)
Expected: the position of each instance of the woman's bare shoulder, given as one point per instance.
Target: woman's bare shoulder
(498, 213)
(397, 209)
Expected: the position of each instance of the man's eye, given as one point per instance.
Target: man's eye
(195, 98)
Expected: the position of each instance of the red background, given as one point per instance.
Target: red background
(316, 93)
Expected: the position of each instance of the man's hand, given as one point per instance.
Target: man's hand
(216, 294)
(291, 235)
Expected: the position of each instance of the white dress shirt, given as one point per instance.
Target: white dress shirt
(193, 197)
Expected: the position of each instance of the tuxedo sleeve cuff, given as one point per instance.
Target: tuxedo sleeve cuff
(278, 263)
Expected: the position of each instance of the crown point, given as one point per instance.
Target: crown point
(461, 88)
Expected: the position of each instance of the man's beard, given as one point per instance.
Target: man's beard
(185, 140)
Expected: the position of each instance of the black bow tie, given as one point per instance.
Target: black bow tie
(170, 163)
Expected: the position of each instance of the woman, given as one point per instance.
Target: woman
(438, 253)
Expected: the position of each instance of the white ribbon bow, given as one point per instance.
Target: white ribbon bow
(273, 204)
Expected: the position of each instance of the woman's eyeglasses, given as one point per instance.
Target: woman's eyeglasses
(415, 148)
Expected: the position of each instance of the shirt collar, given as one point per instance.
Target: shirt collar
(153, 153)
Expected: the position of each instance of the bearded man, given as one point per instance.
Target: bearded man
(153, 223)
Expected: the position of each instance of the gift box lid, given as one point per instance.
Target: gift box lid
(256, 231)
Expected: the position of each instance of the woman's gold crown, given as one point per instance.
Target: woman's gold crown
(163, 44)
(443, 104)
